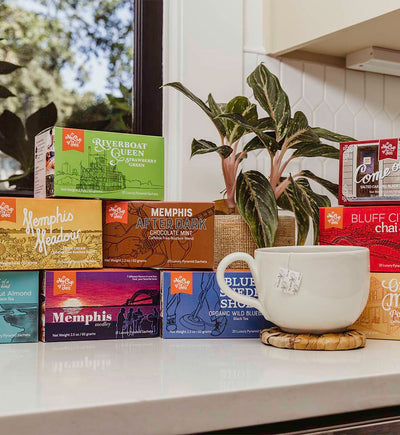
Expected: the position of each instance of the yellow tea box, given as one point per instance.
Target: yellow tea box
(50, 234)
(381, 316)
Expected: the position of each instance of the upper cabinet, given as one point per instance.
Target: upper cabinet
(333, 28)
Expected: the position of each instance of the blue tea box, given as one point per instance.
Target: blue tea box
(193, 306)
(19, 303)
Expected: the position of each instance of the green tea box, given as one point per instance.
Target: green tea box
(98, 164)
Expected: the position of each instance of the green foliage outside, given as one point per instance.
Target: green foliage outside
(34, 48)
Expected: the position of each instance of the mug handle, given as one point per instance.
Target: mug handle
(241, 299)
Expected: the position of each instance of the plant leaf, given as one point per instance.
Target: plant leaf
(329, 135)
(44, 118)
(203, 106)
(12, 138)
(292, 199)
(7, 67)
(331, 187)
(265, 124)
(5, 93)
(256, 143)
(315, 150)
(299, 131)
(271, 97)
(216, 108)
(267, 141)
(203, 146)
(313, 201)
(256, 203)
(244, 108)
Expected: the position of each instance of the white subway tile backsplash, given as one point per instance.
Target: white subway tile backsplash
(392, 96)
(364, 125)
(382, 125)
(373, 92)
(344, 121)
(323, 116)
(334, 87)
(292, 76)
(355, 90)
(313, 87)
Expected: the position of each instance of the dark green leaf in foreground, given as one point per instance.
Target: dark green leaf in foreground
(256, 203)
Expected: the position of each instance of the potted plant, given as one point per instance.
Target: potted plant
(284, 137)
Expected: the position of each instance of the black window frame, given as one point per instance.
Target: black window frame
(147, 70)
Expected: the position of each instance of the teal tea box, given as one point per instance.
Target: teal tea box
(19, 301)
(98, 164)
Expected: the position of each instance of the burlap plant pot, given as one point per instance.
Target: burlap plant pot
(233, 235)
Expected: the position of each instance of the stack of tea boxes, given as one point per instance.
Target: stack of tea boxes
(369, 190)
(53, 249)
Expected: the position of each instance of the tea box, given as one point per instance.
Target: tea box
(369, 172)
(193, 306)
(98, 164)
(159, 234)
(19, 301)
(50, 233)
(381, 316)
(375, 227)
(99, 304)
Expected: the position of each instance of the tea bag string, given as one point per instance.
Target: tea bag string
(288, 261)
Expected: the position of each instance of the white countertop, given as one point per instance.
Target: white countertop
(180, 386)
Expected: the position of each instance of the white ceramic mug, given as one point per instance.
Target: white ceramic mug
(314, 289)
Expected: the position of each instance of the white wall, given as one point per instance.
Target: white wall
(203, 49)
(221, 42)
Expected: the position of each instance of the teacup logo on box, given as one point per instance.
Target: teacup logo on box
(8, 210)
(73, 140)
(64, 283)
(388, 148)
(181, 282)
(117, 212)
(334, 217)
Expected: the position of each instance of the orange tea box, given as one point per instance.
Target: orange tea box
(381, 316)
(50, 233)
(159, 234)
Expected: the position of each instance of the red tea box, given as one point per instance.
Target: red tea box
(369, 172)
(381, 316)
(376, 228)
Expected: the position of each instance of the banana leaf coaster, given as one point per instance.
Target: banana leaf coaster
(346, 340)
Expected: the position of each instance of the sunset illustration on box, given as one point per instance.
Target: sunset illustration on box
(100, 288)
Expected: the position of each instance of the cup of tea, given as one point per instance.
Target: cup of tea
(311, 289)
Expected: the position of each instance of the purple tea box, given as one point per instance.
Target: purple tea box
(99, 304)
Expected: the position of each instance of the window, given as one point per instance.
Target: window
(90, 64)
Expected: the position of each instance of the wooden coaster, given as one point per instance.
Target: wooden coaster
(347, 340)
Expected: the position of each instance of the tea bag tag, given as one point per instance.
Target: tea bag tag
(288, 281)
